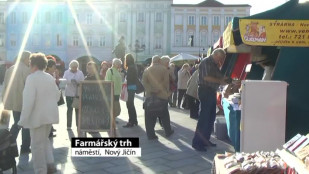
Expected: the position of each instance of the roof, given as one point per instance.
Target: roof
(210, 3)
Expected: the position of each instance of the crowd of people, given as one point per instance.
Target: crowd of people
(31, 91)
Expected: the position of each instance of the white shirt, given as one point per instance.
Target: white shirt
(70, 88)
(40, 97)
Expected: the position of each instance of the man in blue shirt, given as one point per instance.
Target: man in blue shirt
(210, 78)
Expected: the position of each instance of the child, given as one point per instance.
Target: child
(4, 119)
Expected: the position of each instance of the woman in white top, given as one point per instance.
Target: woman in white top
(183, 77)
(73, 76)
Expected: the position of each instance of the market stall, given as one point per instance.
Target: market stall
(283, 30)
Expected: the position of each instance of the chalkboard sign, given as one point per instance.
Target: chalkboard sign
(96, 106)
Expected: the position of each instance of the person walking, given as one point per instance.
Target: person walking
(132, 79)
(51, 69)
(113, 75)
(39, 112)
(173, 85)
(210, 78)
(156, 83)
(73, 76)
(14, 83)
(183, 77)
(192, 96)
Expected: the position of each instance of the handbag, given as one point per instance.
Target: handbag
(75, 103)
(139, 87)
(155, 104)
(124, 93)
(61, 100)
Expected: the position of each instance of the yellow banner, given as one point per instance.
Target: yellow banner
(228, 36)
(292, 33)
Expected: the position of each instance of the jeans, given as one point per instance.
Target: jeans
(207, 116)
(69, 101)
(131, 107)
(151, 119)
(25, 132)
(174, 98)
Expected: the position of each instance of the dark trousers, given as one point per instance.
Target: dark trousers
(194, 106)
(174, 97)
(206, 117)
(151, 119)
(25, 133)
(181, 93)
(131, 107)
(69, 101)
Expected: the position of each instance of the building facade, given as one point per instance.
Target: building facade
(70, 30)
(195, 28)
(2, 30)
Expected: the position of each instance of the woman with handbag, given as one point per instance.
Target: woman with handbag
(132, 87)
(73, 76)
(113, 75)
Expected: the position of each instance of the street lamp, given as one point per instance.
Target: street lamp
(137, 48)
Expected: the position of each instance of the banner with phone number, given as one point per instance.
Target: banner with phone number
(292, 33)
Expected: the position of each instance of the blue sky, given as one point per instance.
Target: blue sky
(257, 5)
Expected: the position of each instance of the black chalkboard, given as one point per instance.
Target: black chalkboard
(96, 106)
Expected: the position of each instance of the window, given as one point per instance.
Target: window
(102, 41)
(178, 39)
(1, 40)
(140, 17)
(75, 40)
(13, 18)
(204, 20)
(59, 18)
(203, 39)
(216, 20)
(191, 20)
(47, 17)
(1, 18)
(25, 17)
(158, 17)
(89, 18)
(158, 43)
(89, 41)
(47, 39)
(13, 40)
(35, 40)
(227, 19)
(215, 36)
(190, 39)
(178, 20)
(122, 17)
(59, 41)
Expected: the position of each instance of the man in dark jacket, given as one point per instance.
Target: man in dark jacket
(210, 78)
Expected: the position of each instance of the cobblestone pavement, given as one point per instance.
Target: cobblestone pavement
(167, 155)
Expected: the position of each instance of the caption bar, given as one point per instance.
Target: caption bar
(105, 147)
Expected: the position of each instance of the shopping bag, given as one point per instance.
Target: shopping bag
(124, 93)
(75, 103)
(61, 100)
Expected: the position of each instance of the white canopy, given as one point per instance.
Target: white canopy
(184, 57)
